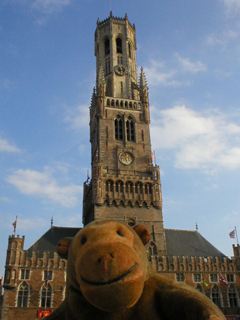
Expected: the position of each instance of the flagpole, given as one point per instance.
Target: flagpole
(236, 235)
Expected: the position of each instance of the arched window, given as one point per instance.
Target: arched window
(109, 186)
(130, 129)
(129, 50)
(107, 46)
(119, 186)
(119, 128)
(46, 296)
(23, 292)
(139, 188)
(119, 45)
(232, 296)
(129, 187)
(148, 188)
(216, 295)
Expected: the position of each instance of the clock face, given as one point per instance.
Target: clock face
(125, 158)
(120, 69)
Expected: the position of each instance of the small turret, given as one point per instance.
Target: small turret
(144, 95)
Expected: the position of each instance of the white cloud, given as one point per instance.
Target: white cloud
(78, 117)
(223, 39)
(231, 6)
(201, 141)
(5, 146)
(157, 76)
(189, 66)
(42, 184)
(49, 6)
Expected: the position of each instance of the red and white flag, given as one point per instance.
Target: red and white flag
(15, 225)
(222, 280)
(232, 234)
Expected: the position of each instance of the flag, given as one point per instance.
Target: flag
(222, 280)
(15, 225)
(204, 281)
(232, 234)
(153, 157)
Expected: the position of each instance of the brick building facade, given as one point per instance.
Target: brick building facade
(125, 185)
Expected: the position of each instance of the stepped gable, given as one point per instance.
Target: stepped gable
(48, 241)
(189, 243)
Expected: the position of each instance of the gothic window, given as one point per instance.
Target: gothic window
(230, 277)
(120, 59)
(107, 47)
(108, 102)
(109, 186)
(148, 188)
(198, 267)
(117, 103)
(232, 296)
(130, 129)
(22, 300)
(130, 105)
(216, 295)
(119, 45)
(129, 50)
(180, 277)
(197, 277)
(46, 296)
(121, 103)
(119, 128)
(107, 65)
(119, 186)
(112, 103)
(139, 188)
(214, 277)
(25, 274)
(47, 276)
(129, 187)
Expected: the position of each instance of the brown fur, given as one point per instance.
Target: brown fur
(109, 277)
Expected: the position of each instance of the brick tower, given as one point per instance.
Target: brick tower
(125, 184)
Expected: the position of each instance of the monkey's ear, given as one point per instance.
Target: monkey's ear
(143, 233)
(63, 247)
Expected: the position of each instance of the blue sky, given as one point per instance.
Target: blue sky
(190, 54)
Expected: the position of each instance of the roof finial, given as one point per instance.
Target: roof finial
(52, 222)
(196, 226)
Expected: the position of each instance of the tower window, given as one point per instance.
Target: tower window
(130, 129)
(120, 59)
(107, 47)
(119, 128)
(119, 45)
(129, 50)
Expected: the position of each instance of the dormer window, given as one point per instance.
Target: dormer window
(119, 45)
(107, 47)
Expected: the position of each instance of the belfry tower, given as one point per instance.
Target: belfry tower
(125, 184)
